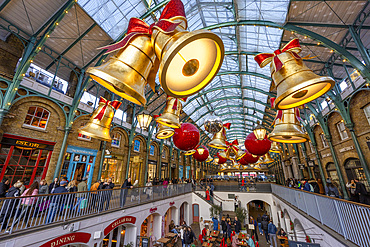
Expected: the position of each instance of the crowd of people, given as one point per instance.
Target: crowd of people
(356, 190)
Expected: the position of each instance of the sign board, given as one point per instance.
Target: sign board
(346, 149)
(118, 222)
(302, 244)
(77, 237)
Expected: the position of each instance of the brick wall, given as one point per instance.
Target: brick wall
(10, 52)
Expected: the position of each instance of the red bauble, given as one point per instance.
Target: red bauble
(255, 146)
(201, 157)
(243, 162)
(186, 137)
(221, 160)
(248, 158)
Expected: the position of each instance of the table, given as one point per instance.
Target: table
(170, 235)
(215, 233)
(241, 244)
(164, 240)
(205, 244)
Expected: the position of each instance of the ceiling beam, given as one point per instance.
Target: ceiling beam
(316, 24)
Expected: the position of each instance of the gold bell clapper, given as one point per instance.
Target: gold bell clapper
(275, 148)
(219, 139)
(295, 83)
(171, 113)
(188, 60)
(127, 73)
(100, 122)
(288, 128)
(268, 159)
(163, 131)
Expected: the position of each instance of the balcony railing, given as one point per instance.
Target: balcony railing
(235, 186)
(351, 220)
(19, 213)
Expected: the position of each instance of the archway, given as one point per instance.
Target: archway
(184, 213)
(120, 232)
(151, 227)
(332, 172)
(299, 232)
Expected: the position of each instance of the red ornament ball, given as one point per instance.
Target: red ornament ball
(201, 157)
(255, 146)
(248, 159)
(221, 160)
(186, 137)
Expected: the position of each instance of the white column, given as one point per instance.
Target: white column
(157, 226)
(295, 167)
(130, 234)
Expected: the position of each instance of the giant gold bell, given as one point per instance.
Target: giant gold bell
(188, 60)
(268, 158)
(288, 129)
(126, 73)
(296, 84)
(219, 140)
(164, 132)
(171, 114)
(96, 128)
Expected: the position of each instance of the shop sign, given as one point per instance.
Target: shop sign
(120, 221)
(77, 237)
(326, 155)
(172, 203)
(302, 244)
(26, 143)
(152, 210)
(346, 149)
(80, 150)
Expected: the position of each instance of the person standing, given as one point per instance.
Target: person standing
(208, 195)
(94, 194)
(124, 191)
(259, 223)
(148, 190)
(361, 192)
(264, 225)
(234, 241)
(57, 201)
(237, 225)
(53, 185)
(202, 225)
(4, 186)
(215, 223)
(81, 187)
(272, 233)
(9, 206)
(253, 222)
(189, 237)
(331, 190)
(223, 227)
(236, 203)
(44, 188)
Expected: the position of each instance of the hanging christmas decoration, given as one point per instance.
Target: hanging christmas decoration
(209, 159)
(163, 131)
(213, 124)
(249, 158)
(186, 137)
(219, 139)
(100, 121)
(275, 148)
(200, 155)
(287, 127)
(295, 83)
(243, 161)
(190, 152)
(268, 159)
(221, 160)
(257, 147)
(171, 113)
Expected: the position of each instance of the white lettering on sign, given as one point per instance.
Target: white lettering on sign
(326, 155)
(346, 149)
(60, 241)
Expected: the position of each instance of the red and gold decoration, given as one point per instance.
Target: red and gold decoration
(171, 113)
(100, 122)
(255, 146)
(275, 148)
(295, 83)
(249, 158)
(209, 159)
(287, 127)
(163, 131)
(268, 159)
(221, 160)
(186, 137)
(201, 154)
(187, 61)
(219, 139)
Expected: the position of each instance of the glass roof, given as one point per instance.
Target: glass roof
(241, 107)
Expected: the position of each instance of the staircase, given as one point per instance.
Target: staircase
(215, 201)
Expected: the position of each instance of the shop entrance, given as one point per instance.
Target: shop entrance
(354, 170)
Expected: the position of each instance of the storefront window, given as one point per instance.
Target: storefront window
(83, 137)
(116, 140)
(112, 169)
(137, 146)
(37, 117)
(152, 169)
(342, 131)
(354, 170)
(332, 173)
(151, 151)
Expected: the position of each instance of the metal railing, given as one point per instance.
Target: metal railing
(248, 187)
(351, 220)
(19, 213)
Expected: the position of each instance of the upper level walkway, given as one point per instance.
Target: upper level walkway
(96, 213)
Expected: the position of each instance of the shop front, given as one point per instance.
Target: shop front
(78, 163)
(120, 232)
(112, 168)
(181, 171)
(164, 170)
(24, 158)
(152, 169)
(187, 171)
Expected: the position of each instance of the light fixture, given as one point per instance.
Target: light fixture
(200, 150)
(259, 131)
(144, 119)
(216, 160)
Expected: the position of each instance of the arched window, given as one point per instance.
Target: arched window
(137, 146)
(116, 140)
(151, 151)
(164, 154)
(37, 117)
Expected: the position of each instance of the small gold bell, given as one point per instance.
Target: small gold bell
(288, 129)
(275, 148)
(268, 159)
(164, 132)
(209, 159)
(171, 114)
(240, 154)
(219, 140)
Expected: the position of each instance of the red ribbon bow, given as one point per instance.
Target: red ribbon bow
(138, 27)
(233, 145)
(293, 47)
(115, 104)
(177, 101)
(227, 125)
(279, 114)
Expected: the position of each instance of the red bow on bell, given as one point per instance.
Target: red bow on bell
(279, 114)
(227, 125)
(176, 101)
(138, 27)
(233, 145)
(115, 104)
(293, 47)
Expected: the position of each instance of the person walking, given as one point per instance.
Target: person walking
(57, 201)
(4, 187)
(259, 223)
(272, 233)
(124, 191)
(361, 192)
(81, 187)
(264, 225)
(189, 237)
(9, 206)
(253, 222)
